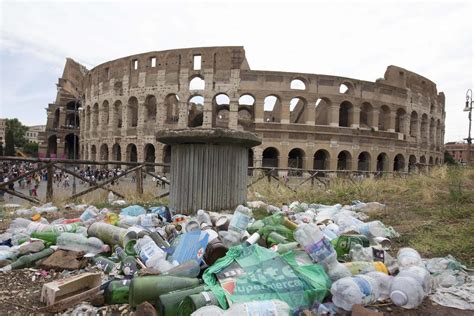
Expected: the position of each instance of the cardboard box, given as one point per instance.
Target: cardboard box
(65, 289)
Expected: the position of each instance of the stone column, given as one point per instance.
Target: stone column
(207, 113)
(124, 128)
(259, 111)
(141, 117)
(233, 113)
(391, 122)
(334, 115)
(375, 119)
(285, 111)
(310, 113)
(354, 113)
(183, 114)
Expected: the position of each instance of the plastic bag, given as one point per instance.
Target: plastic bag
(133, 210)
(256, 273)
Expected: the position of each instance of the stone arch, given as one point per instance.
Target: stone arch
(382, 162)
(424, 130)
(73, 105)
(321, 160)
(95, 116)
(298, 84)
(431, 161)
(423, 160)
(69, 141)
(131, 153)
(172, 108)
(436, 161)
(132, 112)
(116, 152)
(52, 146)
(346, 87)
(104, 115)
(272, 108)
(432, 131)
(384, 118)
(400, 120)
(93, 153)
(365, 116)
(56, 117)
(166, 158)
(344, 159)
(296, 158)
(438, 134)
(298, 110)
(322, 111)
(104, 152)
(270, 157)
(117, 115)
(345, 110)
(150, 111)
(411, 163)
(399, 163)
(432, 108)
(221, 108)
(195, 111)
(363, 161)
(246, 110)
(197, 83)
(149, 154)
(414, 124)
(88, 118)
(72, 120)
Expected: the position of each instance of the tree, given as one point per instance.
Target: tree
(31, 148)
(9, 143)
(18, 130)
(448, 159)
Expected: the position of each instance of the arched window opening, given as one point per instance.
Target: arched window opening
(95, 117)
(149, 154)
(270, 158)
(344, 161)
(166, 158)
(150, 111)
(197, 83)
(382, 162)
(363, 161)
(247, 99)
(298, 111)
(321, 160)
(70, 141)
(172, 109)
(424, 129)
(271, 107)
(195, 111)
(297, 84)
(104, 152)
(365, 118)
(400, 121)
(414, 124)
(56, 118)
(322, 111)
(295, 161)
(93, 153)
(221, 104)
(384, 118)
(399, 163)
(132, 153)
(345, 109)
(411, 163)
(132, 114)
(104, 115)
(346, 88)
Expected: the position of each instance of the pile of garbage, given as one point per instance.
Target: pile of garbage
(324, 259)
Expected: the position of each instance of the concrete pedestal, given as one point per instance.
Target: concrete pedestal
(208, 168)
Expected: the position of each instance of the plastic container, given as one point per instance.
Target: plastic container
(406, 292)
(409, 257)
(360, 289)
(260, 308)
(203, 217)
(420, 274)
(383, 281)
(240, 219)
(362, 267)
(76, 242)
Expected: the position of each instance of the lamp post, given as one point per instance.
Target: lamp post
(468, 108)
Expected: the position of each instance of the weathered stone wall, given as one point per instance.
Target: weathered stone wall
(305, 120)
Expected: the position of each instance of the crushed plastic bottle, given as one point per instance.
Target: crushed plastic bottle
(406, 292)
(359, 289)
(77, 242)
(237, 226)
(203, 217)
(383, 281)
(260, 308)
(152, 255)
(409, 257)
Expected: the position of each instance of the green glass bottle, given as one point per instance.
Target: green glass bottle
(105, 264)
(343, 243)
(49, 237)
(117, 292)
(129, 265)
(28, 260)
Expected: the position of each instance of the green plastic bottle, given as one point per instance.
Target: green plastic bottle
(28, 260)
(48, 237)
(343, 243)
(117, 292)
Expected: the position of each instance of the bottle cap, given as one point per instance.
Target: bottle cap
(399, 298)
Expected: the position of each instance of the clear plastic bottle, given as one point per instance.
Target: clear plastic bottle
(406, 292)
(203, 217)
(312, 239)
(383, 281)
(372, 229)
(409, 257)
(240, 219)
(360, 253)
(420, 274)
(359, 289)
(152, 255)
(77, 242)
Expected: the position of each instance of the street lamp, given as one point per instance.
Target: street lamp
(468, 108)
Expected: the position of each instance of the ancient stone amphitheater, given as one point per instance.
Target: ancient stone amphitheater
(307, 121)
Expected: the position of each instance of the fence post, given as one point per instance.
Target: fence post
(139, 180)
(49, 186)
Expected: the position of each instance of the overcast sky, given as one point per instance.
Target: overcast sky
(357, 39)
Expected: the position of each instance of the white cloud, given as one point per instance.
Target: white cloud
(358, 39)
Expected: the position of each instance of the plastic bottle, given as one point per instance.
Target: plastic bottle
(260, 308)
(203, 217)
(89, 213)
(76, 242)
(406, 292)
(369, 254)
(48, 237)
(383, 281)
(240, 219)
(28, 260)
(409, 257)
(372, 229)
(312, 239)
(360, 289)
(420, 274)
(152, 255)
(105, 264)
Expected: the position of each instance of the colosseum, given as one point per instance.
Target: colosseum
(306, 121)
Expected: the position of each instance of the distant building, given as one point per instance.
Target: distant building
(32, 134)
(2, 131)
(458, 151)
